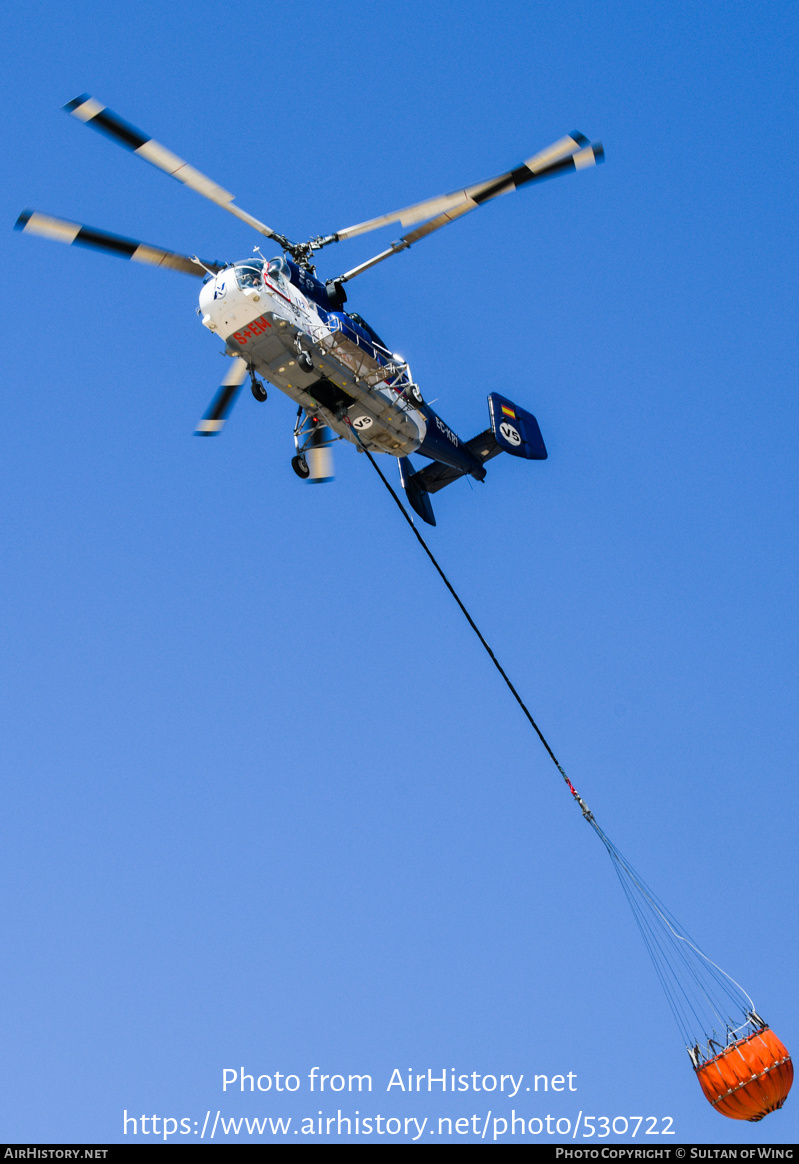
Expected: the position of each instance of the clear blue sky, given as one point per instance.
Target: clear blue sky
(266, 803)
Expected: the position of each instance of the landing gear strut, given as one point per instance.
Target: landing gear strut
(312, 440)
(257, 388)
(304, 360)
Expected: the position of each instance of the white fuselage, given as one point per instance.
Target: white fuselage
(264, 318)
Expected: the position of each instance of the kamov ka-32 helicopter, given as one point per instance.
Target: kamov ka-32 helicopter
(279, 321)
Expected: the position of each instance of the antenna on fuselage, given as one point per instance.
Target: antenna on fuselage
(200, 263)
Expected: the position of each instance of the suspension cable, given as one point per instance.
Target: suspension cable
(665, 945)
(589, 816)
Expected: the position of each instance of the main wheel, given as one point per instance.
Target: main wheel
(300, 467)
(305, 362)
(415, 396)
(258, 390)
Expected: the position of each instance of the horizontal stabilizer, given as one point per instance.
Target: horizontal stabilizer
(515, 430)
(436, 475)
(418, 486)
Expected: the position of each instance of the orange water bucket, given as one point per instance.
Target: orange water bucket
(749, 1078)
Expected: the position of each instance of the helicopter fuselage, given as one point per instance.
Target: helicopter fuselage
(276, 315)
(278, 320)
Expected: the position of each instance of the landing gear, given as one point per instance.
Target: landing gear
(257, 388)
(414, 395)
(304, 360)
(312, 440)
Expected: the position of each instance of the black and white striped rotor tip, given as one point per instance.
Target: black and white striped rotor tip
(88, 110)
(572, 152)
(92, 113)
(59, 230)
(214, 420)
(558, 159)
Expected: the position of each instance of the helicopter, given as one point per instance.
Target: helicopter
(280, 322)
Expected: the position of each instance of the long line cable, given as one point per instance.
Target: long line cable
(652, 919)
(585, 809)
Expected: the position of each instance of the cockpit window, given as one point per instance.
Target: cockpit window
(249, 273)
(277, 268)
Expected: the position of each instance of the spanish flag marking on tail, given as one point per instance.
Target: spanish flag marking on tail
(509, 412)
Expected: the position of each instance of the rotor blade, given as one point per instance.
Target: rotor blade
(214, 419)
(472, 196)
(475, 196)
(126, 248)
(99, 117)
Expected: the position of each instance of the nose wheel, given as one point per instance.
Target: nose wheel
(257, 388)
(301, 467)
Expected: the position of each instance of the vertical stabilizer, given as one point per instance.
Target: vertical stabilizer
(415, 491)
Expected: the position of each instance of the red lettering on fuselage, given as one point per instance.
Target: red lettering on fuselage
(256, 328)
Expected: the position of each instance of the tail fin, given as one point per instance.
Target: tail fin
(419, 484)
(414, 486)
(515, 430)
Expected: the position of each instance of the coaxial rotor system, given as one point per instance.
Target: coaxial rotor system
(569, 153)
